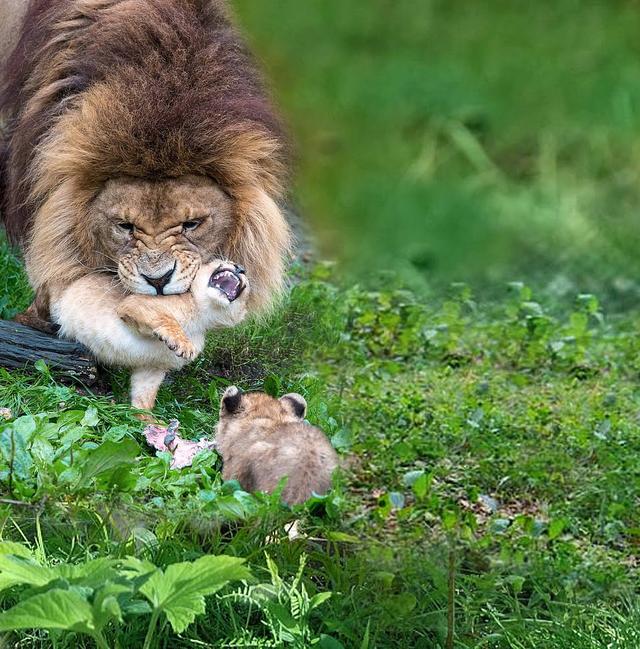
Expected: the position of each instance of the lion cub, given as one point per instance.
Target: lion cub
(150, 334)
(262, 439)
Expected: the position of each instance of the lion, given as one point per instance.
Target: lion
(152, 335)
(262, 440)
(138, 142)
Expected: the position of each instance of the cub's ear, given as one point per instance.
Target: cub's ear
(231, 400)
(295, 403)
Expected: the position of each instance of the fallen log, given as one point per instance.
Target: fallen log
(22, 346)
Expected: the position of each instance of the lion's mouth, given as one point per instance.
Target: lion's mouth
(229, 281)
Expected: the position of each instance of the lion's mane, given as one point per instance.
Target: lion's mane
(97, 89)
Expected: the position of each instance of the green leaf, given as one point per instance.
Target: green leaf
(556, 527)
(90, 418)
(13, 447)
(21, 570)
(365, 639)
(341, 537)
(91, 574)
(418, 481)
(70, 437)
(516, 582)
(25, 426)
(10, 547)
(106, 457)
(107, 610)
(271, 385)
(411, 477)
(134, 567)
(401, 605)
(283, 615)
(179, 592)
(214, 390)
(70, 475)
(106, 606)
(116, 433)
(122, 479)
(42, 451)
(55, 609)
(318, 600)
(329, 642)
(135, 607)
(342, 440)
(420, 486)
(41, 366)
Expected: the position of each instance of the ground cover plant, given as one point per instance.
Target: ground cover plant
(491, 476)
(453, 143)
(489, 428)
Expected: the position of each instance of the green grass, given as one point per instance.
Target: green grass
(479, 144)
(492, 441)
(489, 430)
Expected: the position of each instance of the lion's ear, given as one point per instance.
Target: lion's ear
(261, 243)
(295, 403)
(231, 399)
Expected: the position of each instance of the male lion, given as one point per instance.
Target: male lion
(138, 141)
(150, 335)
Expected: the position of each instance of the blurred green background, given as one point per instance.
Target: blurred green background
(482, 142)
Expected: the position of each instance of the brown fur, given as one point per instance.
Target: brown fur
(11, 16)
(161, 93)
(150, 334)
(262, 439)
(163, 319)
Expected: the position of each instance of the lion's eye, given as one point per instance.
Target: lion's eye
(190, 225)
(127, 227)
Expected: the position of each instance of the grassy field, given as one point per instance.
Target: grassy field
(494, 444)
(451, 143)
(489, 427)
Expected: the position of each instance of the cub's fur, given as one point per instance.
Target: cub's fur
(262, 439)
(151, 335)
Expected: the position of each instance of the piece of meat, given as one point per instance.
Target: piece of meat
(166, 439)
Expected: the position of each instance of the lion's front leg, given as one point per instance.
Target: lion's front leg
(145, 383)
(152, 316)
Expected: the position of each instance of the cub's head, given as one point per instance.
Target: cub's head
(237, 406)
(157, 233)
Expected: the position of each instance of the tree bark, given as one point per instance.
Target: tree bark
(21, 347)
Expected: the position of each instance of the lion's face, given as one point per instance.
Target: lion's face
(157, 233)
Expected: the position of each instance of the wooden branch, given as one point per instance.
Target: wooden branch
(21, 347)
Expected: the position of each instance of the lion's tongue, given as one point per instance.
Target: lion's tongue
(227, 282)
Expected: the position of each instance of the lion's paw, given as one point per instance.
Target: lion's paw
(179, 345)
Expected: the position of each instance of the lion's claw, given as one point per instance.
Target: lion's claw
(181, 348)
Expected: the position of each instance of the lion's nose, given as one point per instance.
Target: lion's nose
(159, 282)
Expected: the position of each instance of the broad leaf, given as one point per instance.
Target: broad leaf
(21, 570)
(107, 457)
(329, 642)
(25, 426)
(133, 567)
(180, 591)
(19, 549)
(13, 447)
(420, 486)
(55, 609)
(90, 418)
(106, 604)
(91, 574)
(556, 527)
